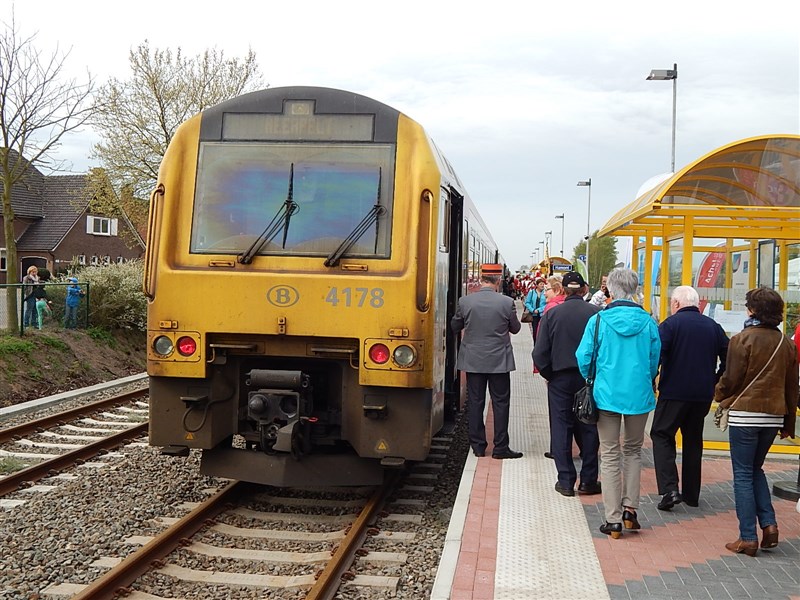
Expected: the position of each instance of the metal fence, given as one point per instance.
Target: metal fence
(54, 316)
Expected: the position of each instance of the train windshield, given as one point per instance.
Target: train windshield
(241, 187)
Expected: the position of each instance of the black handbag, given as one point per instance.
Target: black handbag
(583, 406)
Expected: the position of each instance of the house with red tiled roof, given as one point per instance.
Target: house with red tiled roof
(55, 228)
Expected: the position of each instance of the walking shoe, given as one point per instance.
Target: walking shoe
(590, 489)
(507, 454)
(612, 529)
(630, 520)
(742, 547)
(770, 536)
(669, 500)
(564, 491)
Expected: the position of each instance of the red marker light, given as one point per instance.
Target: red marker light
(379, 353)
(186, 346)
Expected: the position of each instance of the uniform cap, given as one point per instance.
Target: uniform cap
(491, 269)
(573, 280)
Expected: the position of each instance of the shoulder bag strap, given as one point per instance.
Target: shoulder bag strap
(593, 364)
(752, 381)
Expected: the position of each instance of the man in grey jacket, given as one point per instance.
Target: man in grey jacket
(487, 319)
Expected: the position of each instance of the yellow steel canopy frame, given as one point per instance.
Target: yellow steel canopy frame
(748, 190)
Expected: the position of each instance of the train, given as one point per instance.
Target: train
(306, 250)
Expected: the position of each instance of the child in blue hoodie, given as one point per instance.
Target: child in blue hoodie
(74, 295)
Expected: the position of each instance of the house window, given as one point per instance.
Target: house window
(81, 259)
(101, 226)
(2, 259)
(94, 261)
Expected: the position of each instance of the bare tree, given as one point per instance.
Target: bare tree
(38, 106)
(137, 118)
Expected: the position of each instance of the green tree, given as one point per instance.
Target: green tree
(38, 106)
(137, 117)
(602, 257)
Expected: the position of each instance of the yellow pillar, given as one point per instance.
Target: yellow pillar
(728, 304)
(688, 250)
(647, 288)
(664, 283)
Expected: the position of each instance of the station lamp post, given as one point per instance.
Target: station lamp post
(667, 75)
(588, 183)
(563, 220)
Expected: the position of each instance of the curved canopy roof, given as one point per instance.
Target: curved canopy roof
(747, 189)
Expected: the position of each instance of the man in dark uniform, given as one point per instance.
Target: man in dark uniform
(560, 332)
(486, 356)
(691, 346)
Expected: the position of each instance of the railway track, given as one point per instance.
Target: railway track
(47, 446)
(321, 584)
(188, 534)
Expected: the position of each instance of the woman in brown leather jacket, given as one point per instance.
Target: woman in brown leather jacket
(760, 385)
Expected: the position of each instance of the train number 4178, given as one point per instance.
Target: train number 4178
(355, 297)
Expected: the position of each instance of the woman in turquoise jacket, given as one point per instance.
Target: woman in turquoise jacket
(628, 350)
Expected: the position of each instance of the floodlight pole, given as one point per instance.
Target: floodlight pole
(666, 75)
(588, 183)
(561, 216)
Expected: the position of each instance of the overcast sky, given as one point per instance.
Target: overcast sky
(525, 98)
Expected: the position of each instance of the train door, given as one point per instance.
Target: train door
(455, 284)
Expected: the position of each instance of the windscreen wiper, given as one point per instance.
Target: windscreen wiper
(371, 217)
(280, 220)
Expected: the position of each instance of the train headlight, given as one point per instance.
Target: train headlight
(163, 346)
(379, 353)
(404, 356)
(186, 346)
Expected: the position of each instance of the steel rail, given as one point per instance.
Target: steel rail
(68, 415)
(330, 579)
(115, 581)
(36, 472)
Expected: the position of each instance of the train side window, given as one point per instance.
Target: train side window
(444, 221)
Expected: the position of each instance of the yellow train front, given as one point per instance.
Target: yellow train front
(306, 250)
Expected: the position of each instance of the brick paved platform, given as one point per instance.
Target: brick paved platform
(514, 538)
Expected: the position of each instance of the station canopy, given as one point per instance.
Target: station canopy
(747, 189)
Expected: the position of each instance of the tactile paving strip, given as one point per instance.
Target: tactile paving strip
(544, 546)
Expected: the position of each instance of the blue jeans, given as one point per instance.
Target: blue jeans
(30, 318)
(749, 446)
(70, 317)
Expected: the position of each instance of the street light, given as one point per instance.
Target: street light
(563, 220)
(588, 183)
(666, 75)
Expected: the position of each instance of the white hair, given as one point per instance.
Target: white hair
(686, 295)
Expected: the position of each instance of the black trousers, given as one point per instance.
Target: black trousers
(689, 417)
(500, 393)
(564, 427)
(535, 327)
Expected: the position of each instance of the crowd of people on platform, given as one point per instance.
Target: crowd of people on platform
(674, 369)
